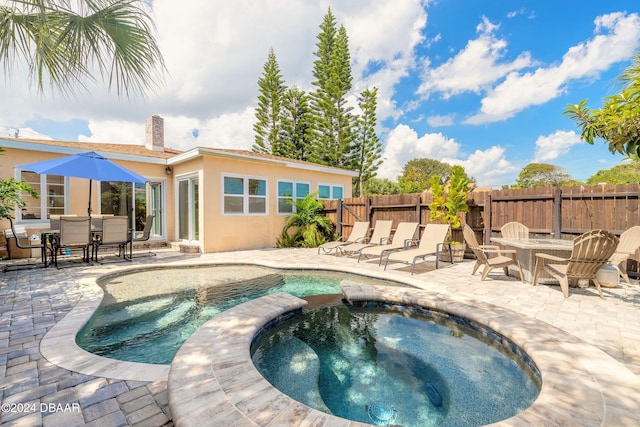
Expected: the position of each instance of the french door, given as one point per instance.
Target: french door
(188, 225)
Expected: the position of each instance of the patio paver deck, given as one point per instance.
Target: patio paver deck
(33, 301)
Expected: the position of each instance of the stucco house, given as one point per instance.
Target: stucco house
(207, 199)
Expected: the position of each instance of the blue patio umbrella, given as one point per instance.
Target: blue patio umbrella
(88, 165)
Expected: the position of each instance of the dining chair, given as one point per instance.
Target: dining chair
(144, 235)
(42, 246)
(490, 256)
(591, 251)
(54, 221)
(115, 233)
(75, 232)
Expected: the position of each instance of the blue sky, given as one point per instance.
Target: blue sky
(477, 83)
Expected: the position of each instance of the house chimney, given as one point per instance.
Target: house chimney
(154, 133)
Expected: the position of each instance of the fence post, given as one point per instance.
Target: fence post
(557, 212)
(487, 219)
(367, 207)
(419, 212)
(339, 218)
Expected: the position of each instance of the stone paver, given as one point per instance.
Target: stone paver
(33, 301)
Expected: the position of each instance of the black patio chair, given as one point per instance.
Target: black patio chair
(21, 245)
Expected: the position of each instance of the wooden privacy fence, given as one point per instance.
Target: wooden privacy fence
(565, 212)
(397, 208)
(561, 212)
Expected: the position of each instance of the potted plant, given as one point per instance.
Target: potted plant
(448, 205)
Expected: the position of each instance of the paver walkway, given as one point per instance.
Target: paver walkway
(35, 392)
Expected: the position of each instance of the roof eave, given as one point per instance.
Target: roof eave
(205, 151)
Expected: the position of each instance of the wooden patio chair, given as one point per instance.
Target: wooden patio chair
(490, 256)
(381, 233)
(402, 238)
(590, 251)
(358, 234)
(431, 242)
(514, 230)
(629, 245)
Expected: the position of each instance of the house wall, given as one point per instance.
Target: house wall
(224, 232)
(218, 231)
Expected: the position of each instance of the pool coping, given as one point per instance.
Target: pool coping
(59, 345)
(558, 354)
(212, 377)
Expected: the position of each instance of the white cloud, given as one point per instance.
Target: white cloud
(441, 121)
(402, 144)
(617, 37)
(232, 130)
(215, 51)
(489, 167)
(555, 145)
(476, 68)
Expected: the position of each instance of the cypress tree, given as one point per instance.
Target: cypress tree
(332, 120)
(269, 109)
(294, 140)
(367, 148)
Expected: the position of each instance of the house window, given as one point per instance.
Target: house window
(288, 191)
(244, 196)
(326, 191)
(50, 188)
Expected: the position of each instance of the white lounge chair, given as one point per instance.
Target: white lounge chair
(358, 234)
(381, 233)
(431, 242)
(403, 236)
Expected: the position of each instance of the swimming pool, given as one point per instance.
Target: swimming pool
(146, 316)
(385, 364)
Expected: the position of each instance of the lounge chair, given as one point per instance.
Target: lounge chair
(590, 251)
(358, 234)
(629, 245)
(381, 233)
(490, 256)
(514, 230)
(403, 236)
(431, 242)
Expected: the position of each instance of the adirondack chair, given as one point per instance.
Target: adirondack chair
(490, 256)
(590, 251)
(514, 230)
(629, 244)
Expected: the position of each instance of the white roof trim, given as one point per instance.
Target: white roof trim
(57, 149)
(205, 151)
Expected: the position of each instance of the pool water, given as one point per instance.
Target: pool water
(382, 366)
(146, 316)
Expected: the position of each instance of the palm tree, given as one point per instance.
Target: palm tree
(67, 40)
(311, 227)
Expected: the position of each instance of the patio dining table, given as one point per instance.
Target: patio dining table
(526, 250)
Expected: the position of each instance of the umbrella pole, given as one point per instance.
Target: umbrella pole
(89, 210)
